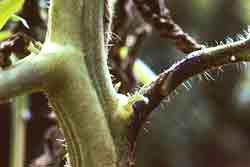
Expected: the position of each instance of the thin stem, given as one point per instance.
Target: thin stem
(19, 110)
(96, 56)
(108, 18)
(195, 63)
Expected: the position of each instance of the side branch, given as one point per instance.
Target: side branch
(195, 63)
(22, 77)
(158, 16)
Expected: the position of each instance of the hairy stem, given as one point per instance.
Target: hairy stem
(195, 63)
(22, 77)
(81, 118)
(81, 23)
(96, 57)
(80, 88)
(65, 22)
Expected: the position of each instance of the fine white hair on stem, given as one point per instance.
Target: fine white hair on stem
(207, 76)
(113, 35)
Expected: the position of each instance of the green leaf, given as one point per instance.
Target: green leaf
(7, 8)
(4, 35)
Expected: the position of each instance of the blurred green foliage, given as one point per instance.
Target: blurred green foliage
(8, 8)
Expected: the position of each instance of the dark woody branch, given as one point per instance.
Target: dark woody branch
(155, 13)
(195, 63)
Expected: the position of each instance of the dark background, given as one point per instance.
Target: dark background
(205, 126)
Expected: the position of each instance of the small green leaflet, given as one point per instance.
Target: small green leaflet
(7, 9)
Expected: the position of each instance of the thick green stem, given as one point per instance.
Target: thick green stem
(80, 23)
(22, 77)
(65, 24)
(82, 119)
(96, 57)
(79, 111)
(80, 88)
